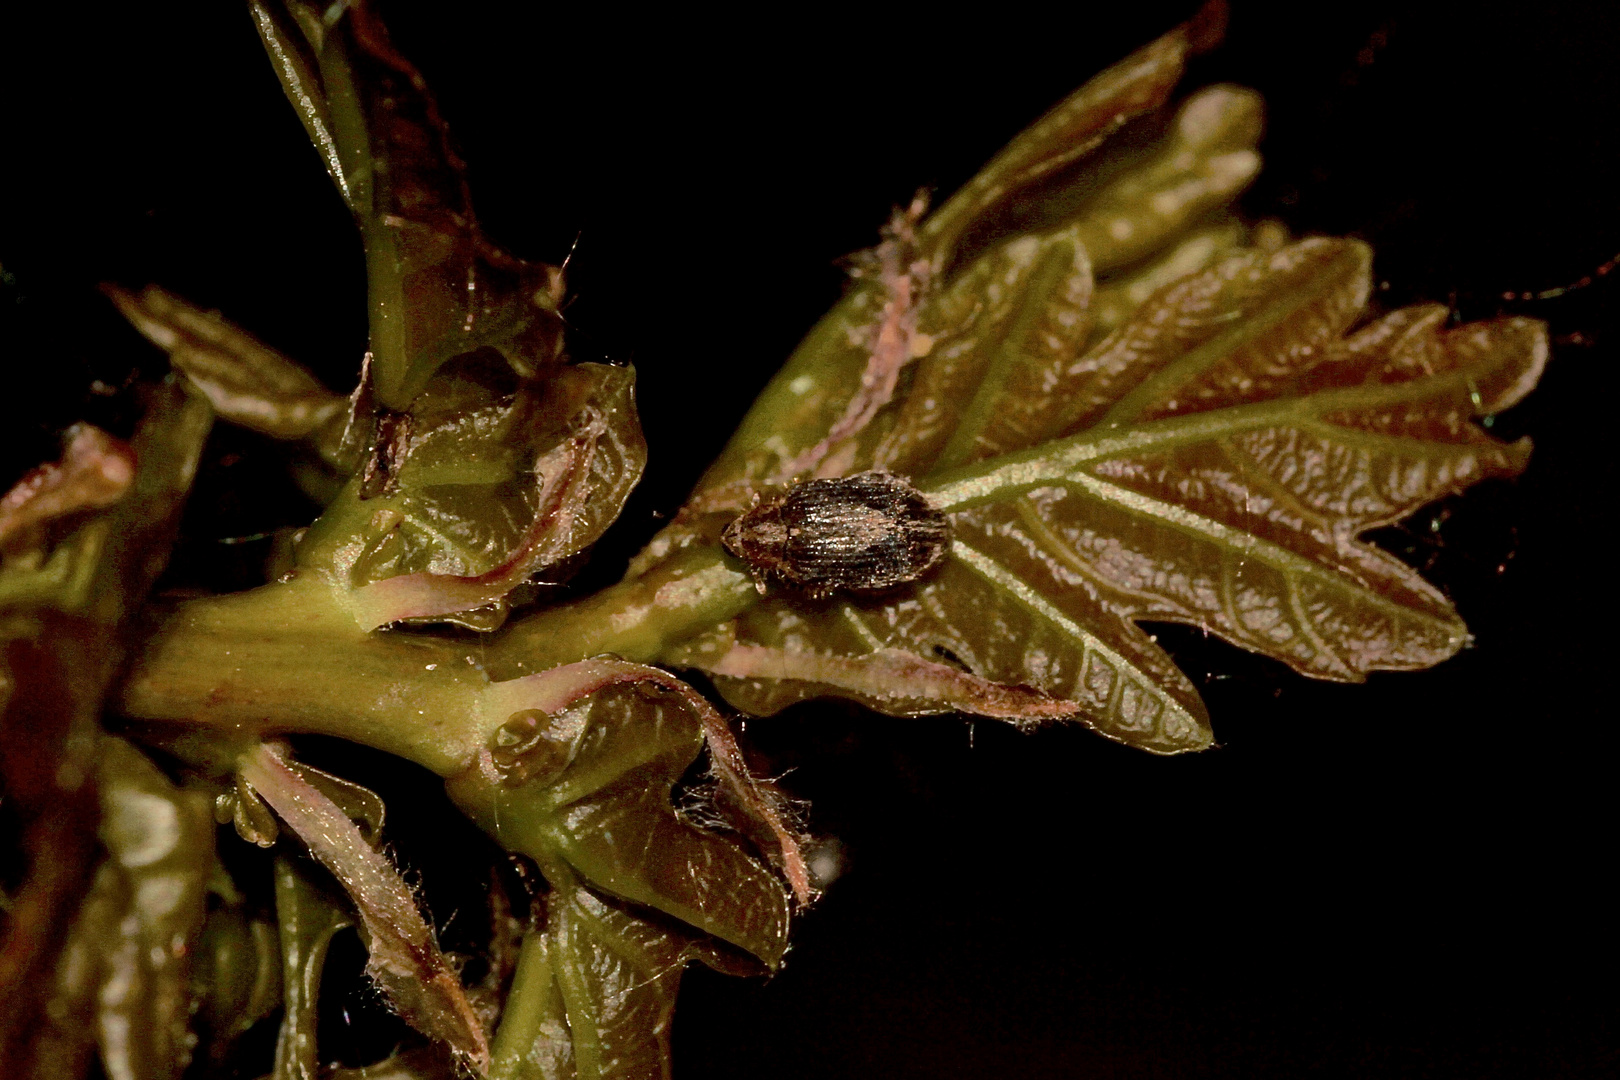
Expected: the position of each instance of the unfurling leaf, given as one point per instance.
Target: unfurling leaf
(578, 776)
(489, 496)
(488, 480)
(405, 960)
(246, 382)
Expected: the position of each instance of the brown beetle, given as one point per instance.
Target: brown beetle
(864, 533)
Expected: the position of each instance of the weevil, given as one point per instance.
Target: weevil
(863, 533)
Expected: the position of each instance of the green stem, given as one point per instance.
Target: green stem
(285, 658)
(531, 1002)
(385, 288)
(637, 619)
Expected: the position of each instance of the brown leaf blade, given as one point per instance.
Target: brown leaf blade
(1243, 518)
(976, 638)
(1234, 439)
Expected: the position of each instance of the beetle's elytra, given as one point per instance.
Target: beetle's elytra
(862, 533)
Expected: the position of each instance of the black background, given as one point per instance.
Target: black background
(1402, 879)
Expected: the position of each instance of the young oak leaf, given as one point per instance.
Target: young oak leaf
(1241, 517)
(1204, 449)
(1247, 444)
